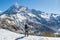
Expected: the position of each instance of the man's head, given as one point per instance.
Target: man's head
(26, 24)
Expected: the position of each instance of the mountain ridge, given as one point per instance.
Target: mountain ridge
(37, 19)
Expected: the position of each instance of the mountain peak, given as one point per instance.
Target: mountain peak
(16, 4)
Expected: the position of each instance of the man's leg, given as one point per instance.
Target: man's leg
(27, 33)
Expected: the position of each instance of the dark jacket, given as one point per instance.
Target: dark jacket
(27, 27)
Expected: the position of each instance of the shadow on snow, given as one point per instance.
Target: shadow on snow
(20, 38)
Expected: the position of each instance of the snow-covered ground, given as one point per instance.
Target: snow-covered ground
(8, 35)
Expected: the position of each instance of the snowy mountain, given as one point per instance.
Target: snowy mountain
(38, 20)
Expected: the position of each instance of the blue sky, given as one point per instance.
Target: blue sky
(48, 6)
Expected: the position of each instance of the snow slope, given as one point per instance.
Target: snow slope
(7, 35)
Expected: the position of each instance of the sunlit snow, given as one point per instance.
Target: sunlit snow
(8, 35)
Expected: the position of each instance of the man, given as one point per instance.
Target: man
(27, 28)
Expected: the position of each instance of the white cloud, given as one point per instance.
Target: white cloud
(0, 11)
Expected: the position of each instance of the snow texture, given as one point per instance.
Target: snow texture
(7, 35)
